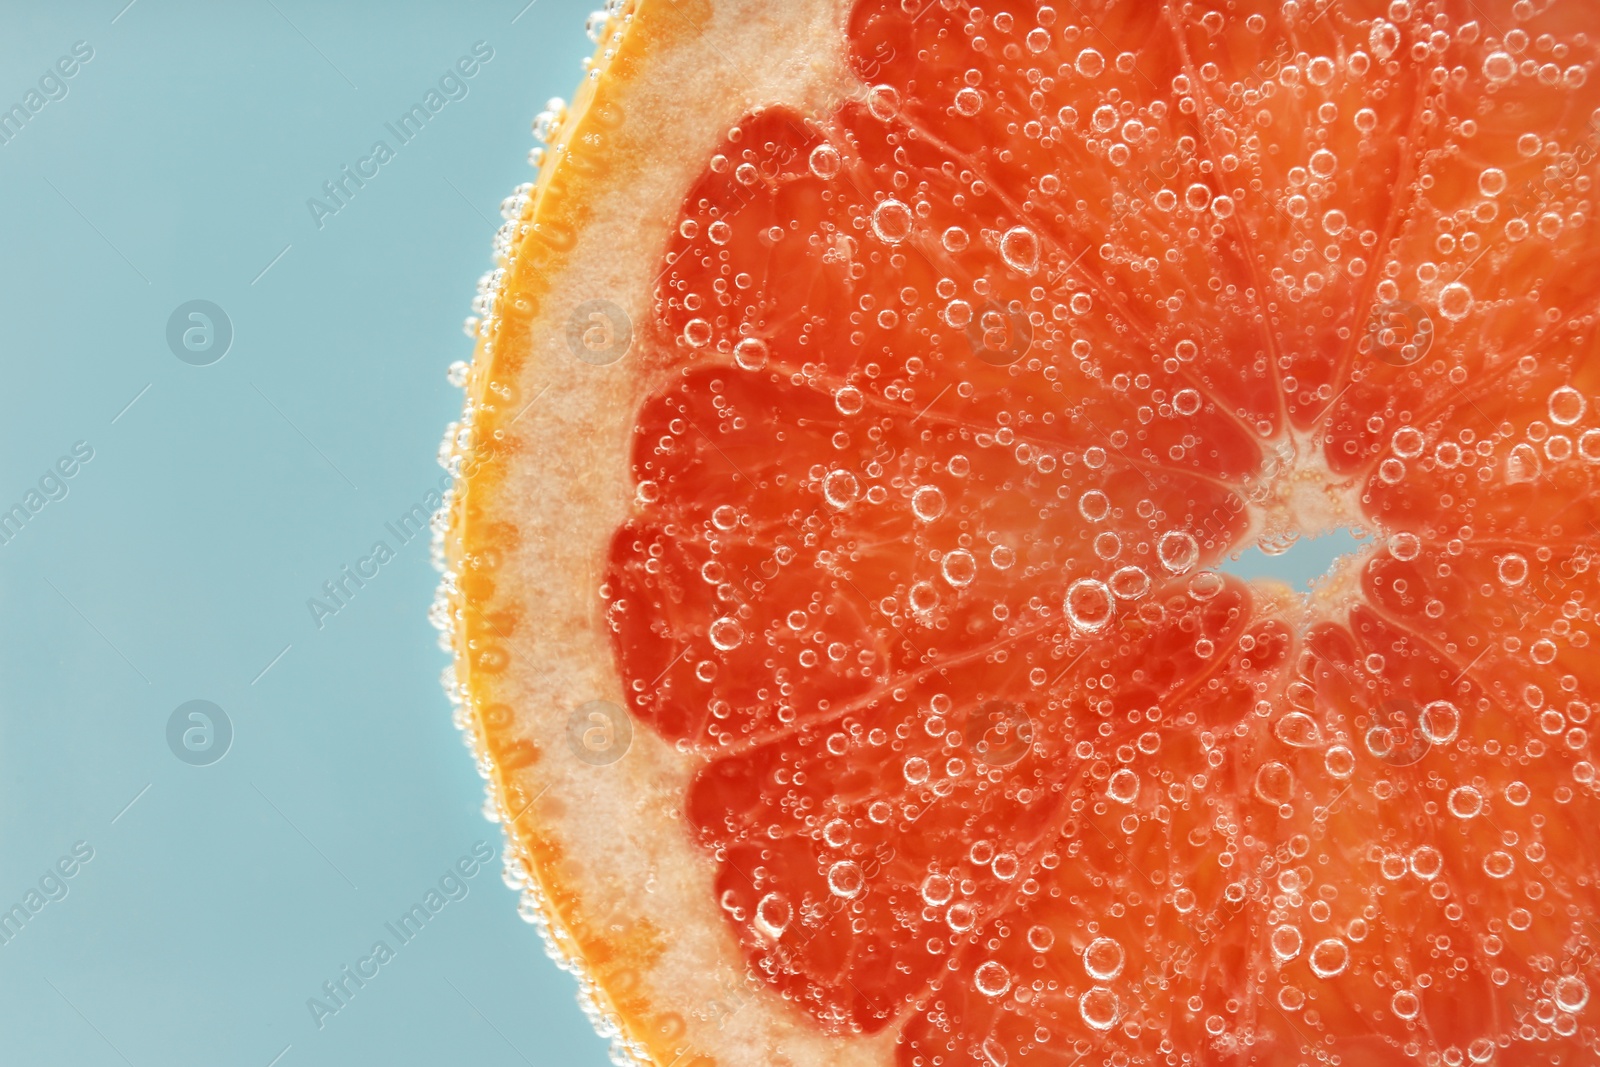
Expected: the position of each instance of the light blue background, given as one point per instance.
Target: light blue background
(179, 565)
(178, 167)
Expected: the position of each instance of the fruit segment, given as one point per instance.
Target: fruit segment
(960, 390)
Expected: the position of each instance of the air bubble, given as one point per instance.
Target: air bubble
(1512, 569)
(697, 333)
(1089, 605)
(1329, 958)
(1498, 864)
(546, 122)
(1383, 38)
(1566, 406)
(1129, 583)
(958, 568)
(927, 502)
(1019, 247)
(1407, 442)
(891, 221)
(1123, 786)
(1465, 802)
(1499, 67)
(1286, 942)
(1522, 465)
(1103, 959)
(1094, 505)
(824, 161)
(840, 488)
(846, 880)
(1274, 783)
(773, 915)
(991, 979)
(1178, 551)
(883, 101)
(1426, 862)
(1572, 993)
(1455, 301)
(1298, 730)
(1439, 722)
(750, 353)
(1405, 546)
(1099, 1009)
(726, 634)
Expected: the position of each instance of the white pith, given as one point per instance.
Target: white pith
(1297, 495)
(627, 854)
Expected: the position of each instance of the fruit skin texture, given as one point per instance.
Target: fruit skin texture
(598, 851)
(1243, 827)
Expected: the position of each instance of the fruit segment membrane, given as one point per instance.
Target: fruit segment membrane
(960, 387)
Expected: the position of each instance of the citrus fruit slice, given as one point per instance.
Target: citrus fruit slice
(865, 405)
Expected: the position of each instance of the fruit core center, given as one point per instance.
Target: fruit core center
(1295, 498)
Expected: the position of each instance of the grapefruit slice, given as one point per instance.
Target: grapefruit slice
(865, 400)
